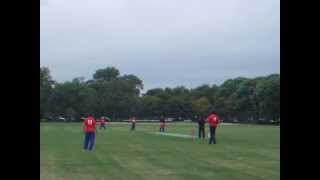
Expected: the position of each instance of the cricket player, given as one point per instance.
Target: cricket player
(89, 128)
(102, 123)
(213, 121)
(201, 125)
(133, 123)
(162, 123)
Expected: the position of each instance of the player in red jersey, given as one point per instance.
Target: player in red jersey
(89, 128)
(213, 121)
(103, 123)
(162, 123)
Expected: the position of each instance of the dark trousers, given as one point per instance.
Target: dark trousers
(201, 132)
(89, 140)
(212, 135)
(133, 126)
(161, 129)
(102, 126)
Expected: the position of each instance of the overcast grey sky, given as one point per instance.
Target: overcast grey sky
(166, 43)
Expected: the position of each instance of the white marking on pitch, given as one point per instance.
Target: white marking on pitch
(175, 135)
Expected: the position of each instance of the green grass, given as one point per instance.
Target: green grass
(243, 152)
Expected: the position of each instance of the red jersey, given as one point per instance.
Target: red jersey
(89, 124)
(102, 121)
(162, 122)
(213, 120)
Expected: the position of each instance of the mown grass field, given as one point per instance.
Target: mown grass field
(247, 152)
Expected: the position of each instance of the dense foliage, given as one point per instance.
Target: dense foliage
(118, 96)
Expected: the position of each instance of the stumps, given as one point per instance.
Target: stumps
(192, 132)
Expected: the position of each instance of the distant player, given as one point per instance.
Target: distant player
(213, 121)
(162, 123)
(102, 123)
(89, 128)
(201, 125)
(133, 123)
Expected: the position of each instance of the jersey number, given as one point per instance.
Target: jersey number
(90, 122)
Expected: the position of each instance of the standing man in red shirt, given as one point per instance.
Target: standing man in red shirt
(103, 123)
(162, 123)
(213, 121)
(89, 127)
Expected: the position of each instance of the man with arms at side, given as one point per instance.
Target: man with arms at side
(201, 125)
(162, 123)
(89, 128)
(102, 123)
(213, 121)
(133, 123)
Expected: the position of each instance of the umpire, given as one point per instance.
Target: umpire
(201, 124)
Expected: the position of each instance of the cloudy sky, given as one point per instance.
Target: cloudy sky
(165, 43)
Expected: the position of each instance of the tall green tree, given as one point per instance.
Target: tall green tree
(46, 85)
(106, 74)
(119, 96)
(150, 106)
(201, 106)
(268, 93)
(72, 99)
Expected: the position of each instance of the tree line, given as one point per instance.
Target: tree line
(119, 97)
